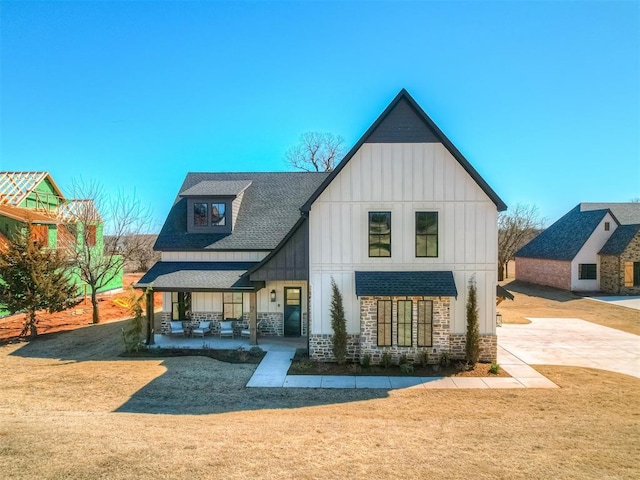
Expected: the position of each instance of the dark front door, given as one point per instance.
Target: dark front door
(292, 311)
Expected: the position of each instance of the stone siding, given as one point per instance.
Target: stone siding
(553, 273)
(321, 348)
(488, 347)
(369, 331)
(612, 269)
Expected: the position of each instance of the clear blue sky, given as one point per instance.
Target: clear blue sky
(543, 98)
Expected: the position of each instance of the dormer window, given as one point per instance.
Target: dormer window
(218, 216)
(212, 205)
(209, 215)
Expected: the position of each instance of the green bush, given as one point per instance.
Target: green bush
(406, 368)
(424, 358)
(386, 360)
(494, 368)
(255, 351)
(338, 324)
(403, 360)
(472, 344)
(445, 359)
(365, 360)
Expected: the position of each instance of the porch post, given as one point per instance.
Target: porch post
(150, 315)
(253, 315)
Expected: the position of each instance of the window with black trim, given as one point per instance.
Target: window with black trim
(405, 312)
(232, 305)
(607, 226)
(384, 323)
(218, 216)
(426, 234)
(200, 216)
(379, 234)
(425, 323)
(587, 271)
(180, 305)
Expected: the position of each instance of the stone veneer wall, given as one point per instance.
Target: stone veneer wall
(369, 330)
(612, 269)
(321, 348)
(488, 347)
(272, 323)
(553, 273)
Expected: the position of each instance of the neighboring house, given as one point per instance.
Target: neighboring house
(402, 225)
(594, 247)
(34, 197)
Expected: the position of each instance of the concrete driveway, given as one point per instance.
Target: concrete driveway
(572, 342)
(629, 302)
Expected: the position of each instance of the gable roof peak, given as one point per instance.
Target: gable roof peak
(410, 125)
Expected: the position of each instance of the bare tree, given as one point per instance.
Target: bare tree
(316, 152)
(90, 215)
(515, 228)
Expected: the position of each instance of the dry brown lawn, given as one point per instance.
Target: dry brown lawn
(71, 408)
(536, 301)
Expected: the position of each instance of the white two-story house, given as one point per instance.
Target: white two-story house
(403, 224)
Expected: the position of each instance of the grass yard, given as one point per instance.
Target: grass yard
(71, 408)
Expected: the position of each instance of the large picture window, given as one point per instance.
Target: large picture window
(384, 323)
(587, 271)
(232, 305)
(405, 311)
(379, 234)
(425, 323)
(426, 234)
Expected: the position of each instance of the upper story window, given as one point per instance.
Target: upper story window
(607, 226)
(209, 215)
(379, 234)
(426, 234)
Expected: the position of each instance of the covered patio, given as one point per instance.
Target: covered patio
(214, 342)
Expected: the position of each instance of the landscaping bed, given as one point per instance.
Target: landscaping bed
(302, 365)
(239, 355)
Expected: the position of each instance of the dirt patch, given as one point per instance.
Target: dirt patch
(536, 301)
(76, 317)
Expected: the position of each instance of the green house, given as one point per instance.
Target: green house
(34, 197)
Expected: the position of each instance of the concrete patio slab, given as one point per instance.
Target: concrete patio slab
(469, 382)
(503, 382)
(622, 301)
(335, 381)
(303, 381)
(373, 382)
(438, 382)
(521, 371)
(572, 342)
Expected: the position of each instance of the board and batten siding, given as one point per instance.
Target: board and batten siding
(402, 178)
(212, 301)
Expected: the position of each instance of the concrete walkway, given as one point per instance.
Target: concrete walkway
(571, 342)
(272, 372)
(623, 301)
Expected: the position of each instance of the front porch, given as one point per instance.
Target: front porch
(271, 343)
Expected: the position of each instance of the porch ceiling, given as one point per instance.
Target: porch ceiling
(199, 276)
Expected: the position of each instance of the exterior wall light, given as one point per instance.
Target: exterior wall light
(273, 295)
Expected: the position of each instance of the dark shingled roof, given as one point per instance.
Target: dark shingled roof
(197, 276)
(619, 239)
(428, 284)
(270, 208)
(564, 239)
(626, 213)
(216, 187)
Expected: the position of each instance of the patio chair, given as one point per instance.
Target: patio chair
(202, 329)
(226, 328)
(246, 331)
(176, 328)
